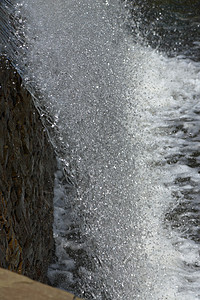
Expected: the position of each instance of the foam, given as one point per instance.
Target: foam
(165, 87)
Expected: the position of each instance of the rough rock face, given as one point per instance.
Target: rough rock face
(27, 165)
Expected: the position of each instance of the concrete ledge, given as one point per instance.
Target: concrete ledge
(17, 287)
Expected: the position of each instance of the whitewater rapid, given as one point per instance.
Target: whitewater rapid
(114, 104)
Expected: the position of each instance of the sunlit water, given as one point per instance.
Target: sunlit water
(125, 124)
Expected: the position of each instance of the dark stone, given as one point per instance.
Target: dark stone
(27, 166)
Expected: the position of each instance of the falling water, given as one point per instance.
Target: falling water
(124, 120)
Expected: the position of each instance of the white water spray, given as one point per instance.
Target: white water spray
(111, 101)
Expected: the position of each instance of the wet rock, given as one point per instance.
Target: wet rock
(27, 165)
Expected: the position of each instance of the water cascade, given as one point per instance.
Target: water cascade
(124, 120)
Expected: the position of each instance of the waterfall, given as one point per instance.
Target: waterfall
(123, 117)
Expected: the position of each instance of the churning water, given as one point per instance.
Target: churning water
(124, 119)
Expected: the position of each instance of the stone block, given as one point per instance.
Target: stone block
(18, 287)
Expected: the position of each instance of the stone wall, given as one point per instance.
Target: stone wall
(27, 165)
